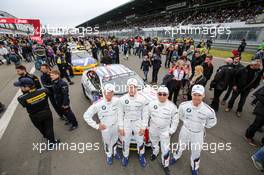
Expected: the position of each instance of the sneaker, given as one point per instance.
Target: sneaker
(117, 156)
(172, 161)
(142, 160)
(153, 157)
(72, 128)
(67, 123)
(223, 102)
(125, 161)
(227, 109)
(238, 114)
(257, 164)
(71, 83)
(251, 141)
(194, 172)
(109, 160)
(166, 170)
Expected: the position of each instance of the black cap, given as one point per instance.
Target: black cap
(24, 82)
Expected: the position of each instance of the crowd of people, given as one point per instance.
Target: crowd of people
(198, 16)
(189, 65)
(190, 68)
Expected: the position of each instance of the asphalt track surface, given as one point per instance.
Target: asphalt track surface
(17, 156)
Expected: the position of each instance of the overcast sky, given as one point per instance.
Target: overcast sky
(59, 13)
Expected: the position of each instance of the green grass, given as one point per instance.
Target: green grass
(246, 56)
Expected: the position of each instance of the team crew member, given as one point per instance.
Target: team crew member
(132, 117)
(63, 67)
(196, 115)
(107, 110)
(22, 72)
(47, 83)
(61, 96)
(163, 123)
(36, 103)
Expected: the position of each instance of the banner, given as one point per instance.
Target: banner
(34, 22)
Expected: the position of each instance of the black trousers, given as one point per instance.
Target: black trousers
(255, 126)
(71, 70)
(70, 116)
(243, 98)
(175, 87)
(167, 62)
(228, 92)
(44, 123)
(55, 106)
(155, 75)
(64, 73)
(215, 102)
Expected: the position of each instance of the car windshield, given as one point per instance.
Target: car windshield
(80, 55)
(120, 82)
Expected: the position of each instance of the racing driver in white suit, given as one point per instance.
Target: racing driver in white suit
(107, 110)
(132, 118)
(196, 116)
(163, 123)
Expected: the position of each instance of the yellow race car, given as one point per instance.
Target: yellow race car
(81, 61)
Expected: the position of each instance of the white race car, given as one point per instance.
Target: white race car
(117, 74)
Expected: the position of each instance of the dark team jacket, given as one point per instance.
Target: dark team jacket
(61, 92)
(35, 101)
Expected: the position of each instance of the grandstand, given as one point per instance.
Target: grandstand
(152, 18)
(14, 29)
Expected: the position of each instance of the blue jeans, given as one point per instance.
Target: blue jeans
(145, 75)
(259, 155)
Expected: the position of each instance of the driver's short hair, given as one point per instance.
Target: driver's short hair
(56, 72)
(21, 67)
(46, 66)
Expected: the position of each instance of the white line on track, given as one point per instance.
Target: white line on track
(6, 117)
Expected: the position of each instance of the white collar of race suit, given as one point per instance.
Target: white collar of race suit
(162, 103)
(132, 97)
(197, 107)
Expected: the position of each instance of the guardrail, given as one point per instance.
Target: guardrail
(228, 46)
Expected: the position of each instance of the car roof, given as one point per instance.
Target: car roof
(111, 70)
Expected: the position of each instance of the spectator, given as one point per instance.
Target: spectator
(237, 66)
(242, 46)
(223, 77)
(246, 79)
(208, 67)
(259, 119)
(4, 53)
(145, 65)
(198, 78)
(156, 64)
(258, 159)
(175, 84)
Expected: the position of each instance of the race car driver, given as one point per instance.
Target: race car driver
(163, 123)
(196, 116)
(132, 118)
(107, 110)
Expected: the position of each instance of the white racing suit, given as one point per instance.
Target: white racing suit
(107, 114)
(132, 117)
(195, 119)
(163, 123)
